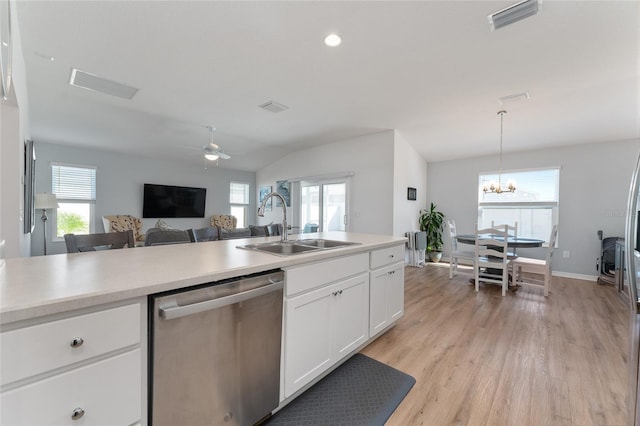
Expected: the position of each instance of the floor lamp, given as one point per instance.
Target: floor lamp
(45, 201)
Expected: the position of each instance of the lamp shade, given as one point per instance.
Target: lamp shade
(46, 201)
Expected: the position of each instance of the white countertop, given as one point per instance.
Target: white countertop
(35, 286)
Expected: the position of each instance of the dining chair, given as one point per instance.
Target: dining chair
(457, 255)
(491, 262)
(536, 267)
(93, 242)
(512, 231)
(209, 233)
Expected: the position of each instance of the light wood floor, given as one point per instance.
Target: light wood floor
(481, 359)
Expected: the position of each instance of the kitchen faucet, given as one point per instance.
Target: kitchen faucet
(284, 233)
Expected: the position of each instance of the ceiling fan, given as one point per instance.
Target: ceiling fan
(212, 152)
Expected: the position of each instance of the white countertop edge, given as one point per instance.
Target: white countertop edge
(16, 308)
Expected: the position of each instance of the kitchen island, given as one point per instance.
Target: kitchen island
(46, 298)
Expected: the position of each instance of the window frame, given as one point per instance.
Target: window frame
(244, 206)
(53, 219)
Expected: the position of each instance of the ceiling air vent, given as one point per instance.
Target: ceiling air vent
(99, 84)
(513, 13)
(516, 97)
(274, 106)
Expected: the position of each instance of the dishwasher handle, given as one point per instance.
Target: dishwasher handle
(169, 309)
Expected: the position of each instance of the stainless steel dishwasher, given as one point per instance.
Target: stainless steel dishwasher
(215, 352)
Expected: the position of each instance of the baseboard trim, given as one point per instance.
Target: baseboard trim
(445, 262)
(576, 276)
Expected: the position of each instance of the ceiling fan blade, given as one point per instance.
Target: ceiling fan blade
(223, 155)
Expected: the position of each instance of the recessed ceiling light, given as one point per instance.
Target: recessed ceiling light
(332, 40)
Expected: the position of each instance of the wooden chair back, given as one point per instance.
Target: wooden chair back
(92, 242)
(491, 261)
(512, 231)
(210, 233)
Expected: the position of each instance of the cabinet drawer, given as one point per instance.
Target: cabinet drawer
(387, 256)
(36, 349)
(311, 276)
(108, 392)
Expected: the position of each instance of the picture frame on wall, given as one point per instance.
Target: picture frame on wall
(29, 190)
(283, 187)
(264, 191)
(412, 194)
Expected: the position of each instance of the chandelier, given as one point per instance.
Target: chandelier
(492, 186)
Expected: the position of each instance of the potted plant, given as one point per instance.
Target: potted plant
(432, 221)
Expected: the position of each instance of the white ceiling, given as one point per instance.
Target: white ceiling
(432, 70)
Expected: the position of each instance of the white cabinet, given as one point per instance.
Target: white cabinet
(387, 297)
(86, 368)
(386, 288)
(323, 321)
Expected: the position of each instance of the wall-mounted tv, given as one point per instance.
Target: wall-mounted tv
(161, 201)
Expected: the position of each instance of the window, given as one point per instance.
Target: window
(323, 206)
(239, 200)
(75, 188)
(534, 204)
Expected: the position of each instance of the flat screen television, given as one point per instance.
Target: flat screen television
(162, 201)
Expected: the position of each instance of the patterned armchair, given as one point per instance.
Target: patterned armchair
(224, 221)
(122, 222)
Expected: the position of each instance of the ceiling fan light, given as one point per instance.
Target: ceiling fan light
(211, 157)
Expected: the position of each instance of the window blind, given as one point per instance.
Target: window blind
(239, 193)
(73, 182)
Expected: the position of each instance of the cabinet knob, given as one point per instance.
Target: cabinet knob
(76, 342)
(77, 414)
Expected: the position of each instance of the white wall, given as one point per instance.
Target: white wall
(370, 158)
(120, 180)
(594, 185)
(410, 170)
(14, 129)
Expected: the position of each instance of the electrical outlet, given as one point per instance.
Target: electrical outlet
(565, 254)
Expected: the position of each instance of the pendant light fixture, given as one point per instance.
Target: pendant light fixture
(493, 187)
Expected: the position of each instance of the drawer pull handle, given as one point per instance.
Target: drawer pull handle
(76, 342)
(391, 256)
(337, 292)
(77, 414)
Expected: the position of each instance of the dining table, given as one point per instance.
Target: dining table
(514, 242)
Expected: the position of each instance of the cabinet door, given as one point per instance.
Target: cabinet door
(378, 319)
(395, 293)
(349, 315)
(307, 342)
(387, 297)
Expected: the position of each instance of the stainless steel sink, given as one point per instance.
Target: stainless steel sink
(284, 248)
(322, 243)
(288, 248)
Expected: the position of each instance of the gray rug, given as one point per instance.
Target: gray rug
(362, 391)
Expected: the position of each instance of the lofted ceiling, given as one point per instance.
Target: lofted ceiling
(431, 70)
